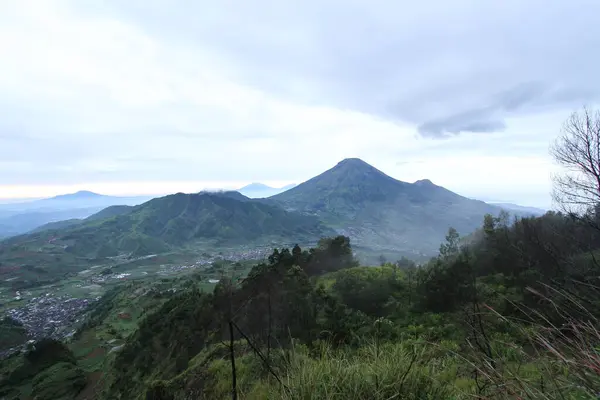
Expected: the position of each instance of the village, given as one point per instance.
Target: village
(49, 315)
(56, 314)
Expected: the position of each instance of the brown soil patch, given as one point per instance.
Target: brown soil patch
(97, 352)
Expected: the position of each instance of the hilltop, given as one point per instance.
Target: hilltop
(380, 212)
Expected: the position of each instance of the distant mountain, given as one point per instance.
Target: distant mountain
(161, 225)
(81, 199)
(82, 194)
(520, 209)
(256, 187)
(260, 190)
(381, 213)
(19, 223)
(23, 217)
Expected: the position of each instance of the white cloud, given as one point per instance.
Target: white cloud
(92, 99)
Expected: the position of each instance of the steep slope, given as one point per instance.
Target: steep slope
(379, 212)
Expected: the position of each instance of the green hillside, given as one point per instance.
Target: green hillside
(58, 225)
(382, 213)
(109, 212)
(158, 226)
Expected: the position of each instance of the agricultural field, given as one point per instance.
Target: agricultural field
(113, 299)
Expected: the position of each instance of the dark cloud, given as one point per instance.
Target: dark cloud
(480, 121)
(489, 119)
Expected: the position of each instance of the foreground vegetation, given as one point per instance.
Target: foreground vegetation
(483, 321)
(510, 314)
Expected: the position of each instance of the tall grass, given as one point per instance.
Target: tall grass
(560, 362)
(387, 371)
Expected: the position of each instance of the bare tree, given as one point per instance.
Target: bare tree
(577, 150)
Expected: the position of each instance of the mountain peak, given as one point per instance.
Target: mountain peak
(256, 186)
(86, 193)
(349, 184)
(353, 162)
(424, 182)
(82, 194)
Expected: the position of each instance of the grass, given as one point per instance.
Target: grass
(60, 381)
(374, 372)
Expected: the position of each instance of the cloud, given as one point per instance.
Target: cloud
(490, 118)
(152, 91)
(99, 99)
(481, 121)
(419, 62)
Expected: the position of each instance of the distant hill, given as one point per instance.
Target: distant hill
(381, 213)
(520, 209)
(259, 190)
(81, 199)
(164, 224)
(23, 217)
(82, 194)
(19, 223)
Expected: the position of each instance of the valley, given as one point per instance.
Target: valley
(58, 309)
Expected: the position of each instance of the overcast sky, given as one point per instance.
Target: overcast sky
(153, 96)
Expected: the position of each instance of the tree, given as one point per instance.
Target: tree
(577, 150)
(451, 246)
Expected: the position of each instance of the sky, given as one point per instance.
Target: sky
(155, 96)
